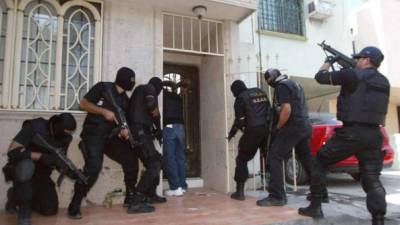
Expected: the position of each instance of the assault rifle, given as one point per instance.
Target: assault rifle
(40, 141)
(120, 114)
(336, 56)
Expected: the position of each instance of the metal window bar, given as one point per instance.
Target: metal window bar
(203, 30)
(285, 16)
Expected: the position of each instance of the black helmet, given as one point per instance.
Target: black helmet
(274, 75)
(238, 87)
(125, 78)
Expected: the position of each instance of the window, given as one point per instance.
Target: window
(284, 16)
(56, 58)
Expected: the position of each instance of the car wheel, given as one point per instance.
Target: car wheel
(302, 176)
(356, 176)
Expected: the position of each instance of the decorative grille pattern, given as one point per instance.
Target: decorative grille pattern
(3, 28)
(79, 32)
(284, 16)
(56, 57)
(38, 56)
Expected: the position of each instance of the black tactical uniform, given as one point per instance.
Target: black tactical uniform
(32, 185)
(295, 133)
(361, 106)
(95, 139)
(143, 114)
(251, 115)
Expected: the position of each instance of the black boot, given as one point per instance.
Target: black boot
(239, 194)
(271, 201)
(154, 199)
(11, 205)
(129, 195)
(378, 220)
(24, 214)
(314, 209)
(325, 197)
(138, 205)
(74, 208)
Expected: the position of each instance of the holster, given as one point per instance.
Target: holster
(9, 171)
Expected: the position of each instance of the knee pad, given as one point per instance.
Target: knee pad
(24, 170)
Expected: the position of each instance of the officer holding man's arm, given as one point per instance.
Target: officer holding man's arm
(144, 119)
(30, 166)
(362, 106)
(293, 130)
(251, 116)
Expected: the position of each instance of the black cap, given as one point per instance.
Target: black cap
(371, 52)
(125, 78)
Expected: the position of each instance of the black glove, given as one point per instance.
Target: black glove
(52, 160)
(331, 59)
(19, 153)
(157, 133)
(232, 133)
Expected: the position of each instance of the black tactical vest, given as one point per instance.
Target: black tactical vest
(138, 112)
(95, 124)
(367, 102)
(172, 108)
(257, 107)
(298, 102)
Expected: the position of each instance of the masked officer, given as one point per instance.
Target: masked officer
(361, 106)
(97, 127)
(293, 130)
(144, 118)
(251, 116)
(30, 166)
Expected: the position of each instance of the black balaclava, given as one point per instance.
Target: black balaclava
(157, 83)
(238, 87)
(125, 78)
(59, 123)
(276, 76)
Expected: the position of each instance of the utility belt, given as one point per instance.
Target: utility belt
(350, 124)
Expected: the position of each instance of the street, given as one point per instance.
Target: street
(347, 201)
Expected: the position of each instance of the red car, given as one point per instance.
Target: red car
(324, 125)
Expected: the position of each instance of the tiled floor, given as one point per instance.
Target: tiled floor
(197, 207)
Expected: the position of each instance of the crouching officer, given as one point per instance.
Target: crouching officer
(30, 166)
(361, 106)
(251, 116)
(293, 130)
(144, 117)
(97, 128)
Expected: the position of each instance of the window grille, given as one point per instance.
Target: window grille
(191, 35)
(54, 53)
(284, 16)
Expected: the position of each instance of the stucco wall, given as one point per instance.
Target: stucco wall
(300, 56)
(214, 157)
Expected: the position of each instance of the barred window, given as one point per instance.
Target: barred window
(284, 16)
(55, 53)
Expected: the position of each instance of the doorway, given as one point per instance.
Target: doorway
(187, 78)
